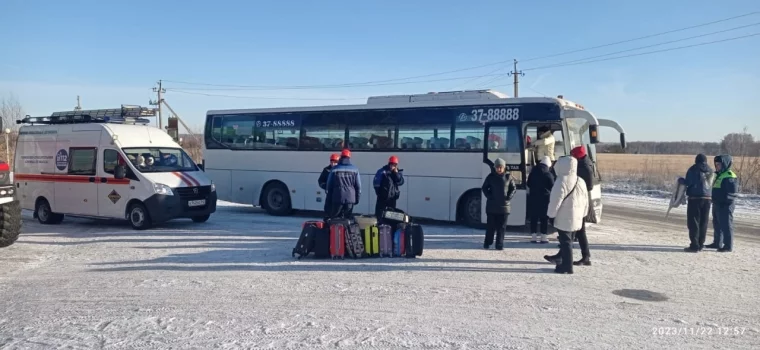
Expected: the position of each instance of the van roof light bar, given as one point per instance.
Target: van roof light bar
(127, 114)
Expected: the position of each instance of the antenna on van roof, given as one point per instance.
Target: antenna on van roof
(127, 114)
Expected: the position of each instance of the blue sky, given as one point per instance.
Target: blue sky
(112, 52)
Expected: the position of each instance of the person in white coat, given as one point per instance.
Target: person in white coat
(544, 146)
(568, 205)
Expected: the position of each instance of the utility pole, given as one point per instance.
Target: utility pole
(515, 73)
(159, 90)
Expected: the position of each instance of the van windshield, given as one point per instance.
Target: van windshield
(158, 160)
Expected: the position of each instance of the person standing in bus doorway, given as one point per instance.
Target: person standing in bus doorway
(343, 187)
(540, 183)
(544, 145)
(387, 181)
(724, 192)
(568, 206)
(498, 188)
(322, 181)
(697, 181)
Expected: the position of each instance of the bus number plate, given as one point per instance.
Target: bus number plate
(196, 203)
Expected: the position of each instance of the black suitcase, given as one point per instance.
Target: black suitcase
(322, 243)
(306, 242)
(416, 238)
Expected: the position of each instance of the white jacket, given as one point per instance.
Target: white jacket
(568, 209)
(545, 145)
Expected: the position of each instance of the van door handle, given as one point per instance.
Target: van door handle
(92, 179)
(103, 180)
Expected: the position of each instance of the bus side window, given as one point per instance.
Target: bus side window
(372, 130)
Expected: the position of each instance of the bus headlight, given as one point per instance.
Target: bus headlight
(163, 189)
(213, 187)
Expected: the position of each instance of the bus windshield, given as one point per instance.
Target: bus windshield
(158, 160)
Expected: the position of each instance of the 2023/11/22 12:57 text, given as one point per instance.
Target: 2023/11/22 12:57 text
(698, 331)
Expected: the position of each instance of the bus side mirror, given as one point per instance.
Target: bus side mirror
(120, 172)
(593, 132)
(623, 144)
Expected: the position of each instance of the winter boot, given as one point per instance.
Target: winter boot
(544, 239)
(554, 259)
(583, 262)
(534, 238)
(562, 270)
(486, 246)
(712, 246)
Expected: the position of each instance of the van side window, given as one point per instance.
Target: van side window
(110, 160)
(82, 161)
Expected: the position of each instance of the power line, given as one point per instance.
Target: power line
(644, 53)
(266, 98)
(643, 37)
(658, 44)
(371, 83)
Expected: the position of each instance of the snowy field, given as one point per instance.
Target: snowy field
(231, 284)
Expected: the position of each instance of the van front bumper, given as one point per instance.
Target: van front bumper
(162, 208)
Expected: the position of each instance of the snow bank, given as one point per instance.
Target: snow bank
(231, 284)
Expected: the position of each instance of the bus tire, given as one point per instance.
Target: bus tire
(277, 199)
(45, 214)
(139, 217)
(10, 223)
(469, 208)
(201, 218)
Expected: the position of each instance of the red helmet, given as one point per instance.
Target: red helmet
(393, 160)
(334, 157)
(345, 153)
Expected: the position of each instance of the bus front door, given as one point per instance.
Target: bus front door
(504, 141)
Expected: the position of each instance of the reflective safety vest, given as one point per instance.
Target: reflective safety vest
(724, 175)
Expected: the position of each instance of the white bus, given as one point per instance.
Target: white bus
(446, 143)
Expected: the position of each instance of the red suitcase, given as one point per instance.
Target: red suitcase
(337, 240)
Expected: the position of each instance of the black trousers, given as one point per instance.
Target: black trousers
(342, 210)
(495, 224)
(583, 241)
(566, 250)
(697, 220)
(380, 206)
(538, 208)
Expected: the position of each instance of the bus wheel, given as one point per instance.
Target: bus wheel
(138, 217)
(471, 209)
(277, 199)
(45, 214)
(10, 223)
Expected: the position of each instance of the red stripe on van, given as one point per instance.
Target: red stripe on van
(184, 180)
(191, 178)
(68, 178)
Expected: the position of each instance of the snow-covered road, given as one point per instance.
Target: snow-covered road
(231, 283)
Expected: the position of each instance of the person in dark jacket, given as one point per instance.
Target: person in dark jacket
(322, 181)
(724, 191)
(585, 172)
(387, 181)
(498, 188)
(343, 187)
(697, 181)
(540, 183)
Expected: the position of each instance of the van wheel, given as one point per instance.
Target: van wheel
(45, 214)
(277, 200)
(201, 218)
(471, 209)
(10, 223)
(138, 217)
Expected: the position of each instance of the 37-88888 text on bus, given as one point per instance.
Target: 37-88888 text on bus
(495, 114)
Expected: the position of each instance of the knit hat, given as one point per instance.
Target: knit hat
(499, 162)
(578, 152)
(701, 158)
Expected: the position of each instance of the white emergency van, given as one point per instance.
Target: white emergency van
(108, 163)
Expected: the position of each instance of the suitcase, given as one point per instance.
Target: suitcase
(416, 238)
(371, 241)
(399, 241)
(386, 240)
(322, 244)
(394, 215)
(338, 238)
(306, 242)
(354, 243)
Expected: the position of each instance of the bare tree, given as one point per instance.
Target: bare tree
(10, 111)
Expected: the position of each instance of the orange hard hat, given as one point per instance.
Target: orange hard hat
(345, 153)
(393, 160)
(334, 157)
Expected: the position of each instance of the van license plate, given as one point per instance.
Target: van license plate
(196, 203)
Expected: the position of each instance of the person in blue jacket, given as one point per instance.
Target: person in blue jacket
(387, 181)
(724, 191)
(697, 181)
(344, 187)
